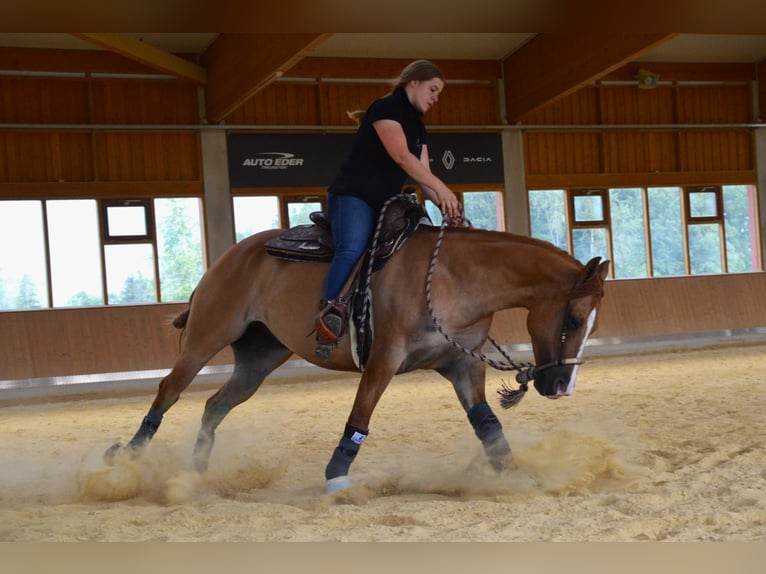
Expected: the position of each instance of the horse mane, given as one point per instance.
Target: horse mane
(588, 282)
(524, 239)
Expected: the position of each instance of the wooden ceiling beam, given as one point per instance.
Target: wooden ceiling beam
(239, 65)
(551, 66)
(150, 56)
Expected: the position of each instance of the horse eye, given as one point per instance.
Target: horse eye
(573, 323)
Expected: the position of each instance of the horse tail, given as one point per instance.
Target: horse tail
(180, 320)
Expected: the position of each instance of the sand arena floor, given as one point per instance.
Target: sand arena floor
(661, 446)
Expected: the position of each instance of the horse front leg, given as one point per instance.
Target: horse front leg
(468, 378)
(374, 382)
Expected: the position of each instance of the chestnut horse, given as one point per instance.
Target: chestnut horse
(264, 307)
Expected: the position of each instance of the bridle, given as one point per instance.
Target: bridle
(526, 371)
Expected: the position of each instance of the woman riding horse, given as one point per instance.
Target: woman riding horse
(390, 145)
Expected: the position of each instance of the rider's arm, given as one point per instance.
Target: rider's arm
(392, 135)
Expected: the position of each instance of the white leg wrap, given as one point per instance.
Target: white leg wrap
(337, 484)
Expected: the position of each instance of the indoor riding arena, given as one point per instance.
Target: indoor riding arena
(131, 163)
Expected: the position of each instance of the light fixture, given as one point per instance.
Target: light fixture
(647, 80)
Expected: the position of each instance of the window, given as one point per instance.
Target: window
(589, 211)
(75, 253)
(254, 214)
(179, 246)
(653, 232)
(484, 209)
(547, 216)
(704, 215)
(23, 257)
(85, 252)
(739, 213)
(629, 234)
(666, 226)
(298, 208)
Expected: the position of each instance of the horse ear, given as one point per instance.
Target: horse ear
(590, 268)
(603, 270)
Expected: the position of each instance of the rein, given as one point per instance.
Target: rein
(509, 397)
(372, 250)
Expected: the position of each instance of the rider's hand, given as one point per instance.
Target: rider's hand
(450, 207)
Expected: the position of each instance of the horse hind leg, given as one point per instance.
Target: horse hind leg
(170, 389)
(256, 354)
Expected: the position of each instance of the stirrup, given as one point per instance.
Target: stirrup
(330, 326)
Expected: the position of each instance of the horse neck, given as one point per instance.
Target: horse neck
(504, 270)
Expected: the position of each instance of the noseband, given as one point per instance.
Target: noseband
(528, 374)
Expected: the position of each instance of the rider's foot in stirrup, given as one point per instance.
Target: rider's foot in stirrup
(334, 324)
(329, 332)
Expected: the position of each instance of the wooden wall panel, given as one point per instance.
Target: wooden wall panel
(640, 152)
(131, 101)
(716, 150)
(35, 100)
(58, 342)
(629, 105)
(466, 105)
(326, 103)
(681, 305)
(147, 156)
(715, 104)
(562, 153)
(284, 104)
(578, 108)
(337, 99)
(668, 153)
(41, 156)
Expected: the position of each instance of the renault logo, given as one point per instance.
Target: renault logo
(448, 159)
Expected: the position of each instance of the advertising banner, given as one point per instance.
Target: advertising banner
(311, 160)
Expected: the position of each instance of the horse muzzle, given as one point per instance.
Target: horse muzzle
(556, 379)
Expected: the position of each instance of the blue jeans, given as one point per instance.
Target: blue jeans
(352, 221)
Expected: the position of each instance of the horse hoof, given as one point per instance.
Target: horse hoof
(111, 453)
(337, 484)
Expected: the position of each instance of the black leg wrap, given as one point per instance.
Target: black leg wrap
(346, 451)
(146, 431)
(490, 432)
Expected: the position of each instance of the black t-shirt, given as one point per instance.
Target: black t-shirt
(368, 172)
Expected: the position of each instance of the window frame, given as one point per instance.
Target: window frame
(108, 239)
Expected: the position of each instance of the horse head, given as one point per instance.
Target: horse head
(559, 328)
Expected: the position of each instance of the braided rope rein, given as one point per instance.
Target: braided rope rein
(372, 251)
(509, 397)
